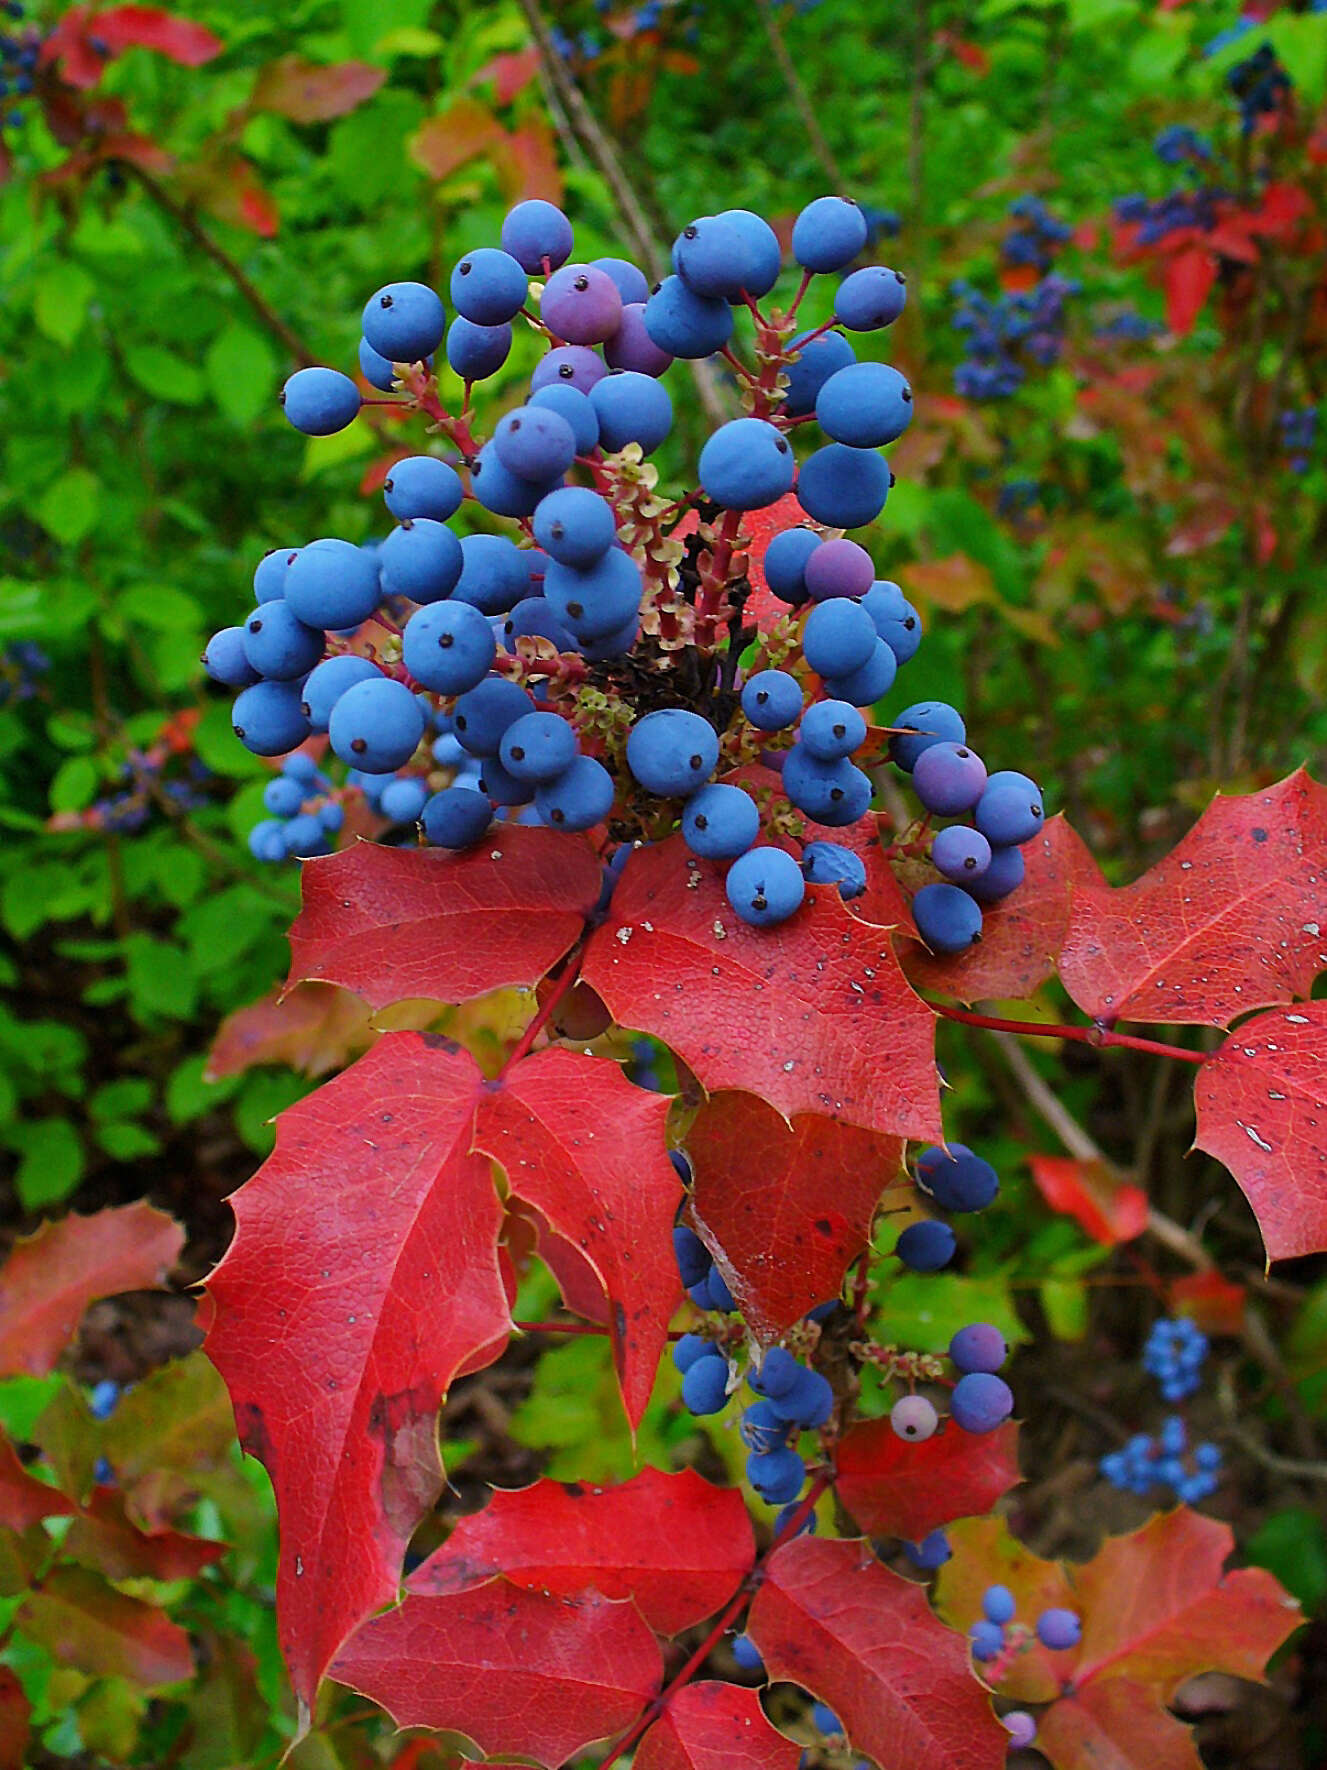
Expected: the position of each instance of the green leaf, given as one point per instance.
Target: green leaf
(1292, 1544)
(60, 301)
(161, 982)
(1300, 40)
(165, 375)
(23, 1400)
(74, 784)
(160, 607)
(241, 372)
(70, 505)
(121, 1099)
(125, 1141)
(51, 1163)
(1065, 1303)
(926, 1309)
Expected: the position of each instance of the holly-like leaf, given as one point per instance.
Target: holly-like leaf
(397, 924)
(711, 1726)
(363, 1275)
(309, 92)
(1262, 1110)
(586, 1148)
(15, 1722)
(167, 1433)
(865, 1641)
(520, 1673)
(51, 1277)
(673, 1543)
(181, 40)
(1108, 1209)
(1234, 918)
(510, 74)
(1156, 1609)
(894, 1488)
(787, 1207)
(814, 1017)
(1188, 277)
(84, 1621)
(314, 1028)
(1020, 937)
(102, 1537)
(24, 1500)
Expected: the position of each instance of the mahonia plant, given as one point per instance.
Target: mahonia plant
(624, 757)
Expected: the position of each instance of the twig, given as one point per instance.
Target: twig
(189, 223)
(801, 98)
(1083, 1035)
(1304, 1469)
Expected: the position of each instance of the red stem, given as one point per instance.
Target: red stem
(1083, 1035)
(730, 1610)
(562, 987)
(801, 291)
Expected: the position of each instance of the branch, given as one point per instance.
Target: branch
(189, 224)
(800, 97)
(1083, 1035)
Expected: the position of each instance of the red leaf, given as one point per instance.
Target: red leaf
(528, 164)
(66, 43)
(1020, 937)
(1212, 1301)
(863, 1640)
(586, 1148)
(103, 1538)
(464, 131)
(1188, 278)
(581, 1287)
(814, 1017)
(180, 40)
(789, 1206)
(510, 74)
(520, 1673)
(15, 1722)
(893, 1488)
(709, 1726)
(676, 1545)
(24, 1500)
(1156, 1609)
(1109, 1211)
(84, 1622)
(397, 924)
(363, 1275)
(51, 1277)
(1262, 1110)
(1230, 920)
(308, 92)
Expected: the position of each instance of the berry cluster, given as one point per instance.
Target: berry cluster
(1261, 85)
(22, 664)
(303, 814)
(1005, 334)
(998, 1632)
(19, 54)
(1299, 433)
(542, 677)
(1038, 237)
(167, 777)
(1174, 1354)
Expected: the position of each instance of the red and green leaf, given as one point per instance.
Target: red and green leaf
(895, 1488)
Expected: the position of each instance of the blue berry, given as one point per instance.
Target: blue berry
(375, 369)
(578, 799)
(957, 1179)
(225, 659)
(596, 603)
(843, 487)
(981, 1402)
(829, 863)
(747, 464)
(947, 917)
(506, 493)
(831, 730)
(325, 685)
(949, 779)
(917, 727)
(1059, 1629)
(376, 725)
(870, 299)
(839, 638)
(631, 408)
(1004, 872)
(535, 443)
(720, 822)
(403, 800)
(771, 699)
(997, 1605)
(785, 564)
(705, 1386)
(926, 1246)
(691, 1347)
(865, 404)
(277, 643)
(826, 1720)
(333, 584)
(569, 365)
(1009, 811)
(777, 1374)
(630, 281)
(575, 526)
(422, 485)
(488, 286)
(320, 402)
(931, 1552)
(808, 1402)
(864, 687)
(776, 1475)
(421, 560)
(987, 1639)
(538, 236)
(495, 574)
(694, 1259)
(833, 793)
(816, 362)
(685, 324)
(448, 647)
(581, 304)
(960, 854)
(404, 322)
(978, 1347)
(672, 752)
(765, 886)
(267, 718)
(476, 352)
(573, 405)
(483, 715)
(269, 577)
(747, 1654)
(828, 234)
(538, 747)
